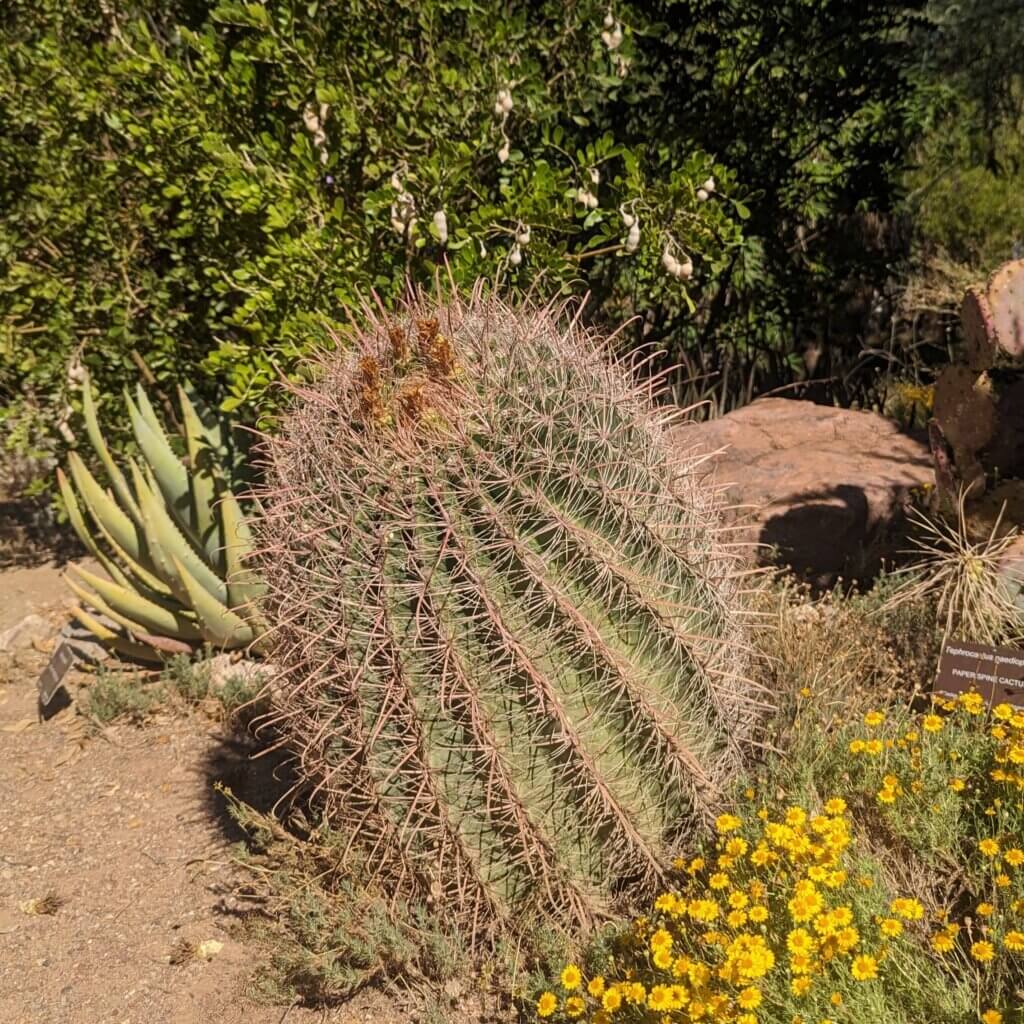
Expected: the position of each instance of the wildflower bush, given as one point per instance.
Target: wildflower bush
(877, 877)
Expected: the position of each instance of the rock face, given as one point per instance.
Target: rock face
(820, 489)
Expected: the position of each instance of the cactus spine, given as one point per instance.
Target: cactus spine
(509, 630)
(172, 541)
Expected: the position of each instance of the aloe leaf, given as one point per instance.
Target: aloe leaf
(170, 474)
(92, 428)
(242, 582)
(213, 425)
(82, 532)
(219, 625)
(150, 580)
(165, 536)
(124, 646)
(106, 512)
(203, 480)
(147, 614)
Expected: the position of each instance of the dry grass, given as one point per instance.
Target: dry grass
(963, 577)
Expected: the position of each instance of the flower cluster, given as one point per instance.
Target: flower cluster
(786, 917)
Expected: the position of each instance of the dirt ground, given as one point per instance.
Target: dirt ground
(123, 826)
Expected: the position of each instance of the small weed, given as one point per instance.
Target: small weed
(115, 694)
(237, 691)
(328, 930)
(190, 678)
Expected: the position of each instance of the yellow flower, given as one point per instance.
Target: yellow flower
(611, 1000)
(662, 959)
(1004, 712)
(795, 817)
(1014, 940)
(864, 967)
(942, 942)
(800, 986)
(931, 723)
(873, 718)
(908, 909)
(736, 918)
(736, 847)
(661, 939)
(891, 927)
(596, 986)
(758, 914)
(835, 806)
(727, 823)
(856, 746)
(957, 785)
(983, 951)
(743, 1018)
(800, 940)
(719, 880)
(985, 909)
(1003, 880)
(873, 747)
(574, 1006)
(547, 1004)
(571, 977)
(992, 1017)
(972, 703)
(989, 847)
(659, 998)
(836, 999)
(1014, 857)
(749, 998)
(666, 903)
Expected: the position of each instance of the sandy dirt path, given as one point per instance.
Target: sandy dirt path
(124, 826)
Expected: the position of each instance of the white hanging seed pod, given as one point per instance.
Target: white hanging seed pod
(515, 257)
(612, 38)
(483, 250)
(709, 185)
(503, 152)
(609, 20)
(396, 181)
(633, 238)
(591, 201)
(685, 269)
(595, 176)
(503, 103)
(702, 194)
(441, 226)
(670, 263)
(628, 219)
(523, 236)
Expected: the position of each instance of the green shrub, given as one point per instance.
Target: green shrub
(211, 184)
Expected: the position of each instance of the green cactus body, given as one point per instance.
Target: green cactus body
(510, 633)
(170, 537)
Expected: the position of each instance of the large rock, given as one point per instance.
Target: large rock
(820, 489)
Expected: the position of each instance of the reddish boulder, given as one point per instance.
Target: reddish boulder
(820, 489)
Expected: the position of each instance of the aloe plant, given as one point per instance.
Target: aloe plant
(508, 624)
(170, 536)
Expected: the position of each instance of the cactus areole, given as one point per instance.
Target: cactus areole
(509, 627)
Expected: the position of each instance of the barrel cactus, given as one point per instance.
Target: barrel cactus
(170, 537)
(509, 628)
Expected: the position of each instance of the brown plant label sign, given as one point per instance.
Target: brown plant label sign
(997, 673)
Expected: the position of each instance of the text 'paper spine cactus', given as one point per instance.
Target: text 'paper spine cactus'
(172, 541)
(509, 630)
